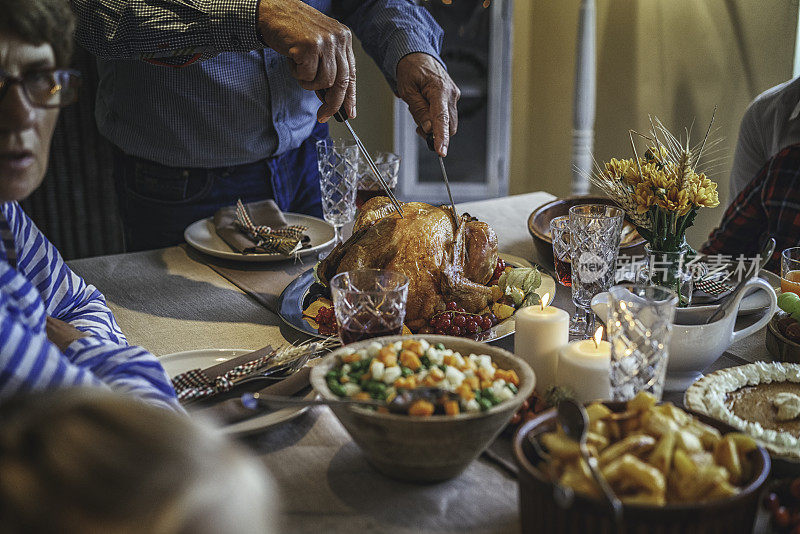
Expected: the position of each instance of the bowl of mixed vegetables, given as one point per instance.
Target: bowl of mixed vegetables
(446, 399)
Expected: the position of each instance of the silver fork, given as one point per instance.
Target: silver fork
(284, 370)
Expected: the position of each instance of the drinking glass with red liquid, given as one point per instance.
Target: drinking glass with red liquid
(388, 164)
(369, 303)
(559, 233)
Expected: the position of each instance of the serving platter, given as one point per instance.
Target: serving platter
(180, 362)
(203, 236)
(302, 291)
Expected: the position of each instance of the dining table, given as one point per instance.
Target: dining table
(177, 299)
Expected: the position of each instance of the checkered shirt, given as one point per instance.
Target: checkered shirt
(231, 101)
(768, 207)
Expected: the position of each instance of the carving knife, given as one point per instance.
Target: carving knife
(341, 116)
(429, 140)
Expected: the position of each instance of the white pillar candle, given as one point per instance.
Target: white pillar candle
(583, 368)
(541, 331)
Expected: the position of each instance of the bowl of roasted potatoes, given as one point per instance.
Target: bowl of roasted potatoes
(674, 472)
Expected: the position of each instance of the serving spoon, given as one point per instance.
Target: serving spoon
(574, 421)
(399, 404)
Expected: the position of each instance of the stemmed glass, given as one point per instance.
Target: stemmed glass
(562, 258)
(595, 233)
(337, 160)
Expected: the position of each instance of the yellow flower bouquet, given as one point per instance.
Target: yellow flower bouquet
(660, 191)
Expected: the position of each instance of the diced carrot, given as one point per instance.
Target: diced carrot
(414, 346)
(437, 373)
(449, 359)
(472, 382)
(485, 374)
(511, 377)
(410, 360)
(350, 358)
(421, 408)
(405, 382)
(362, 395)
(366, 376)
(430, 381)
(344, 379)
(387, 356)
(468, 365)
(486, 384)
(451, 408)
(465, 392)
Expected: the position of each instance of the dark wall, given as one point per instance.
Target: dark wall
(76, 207)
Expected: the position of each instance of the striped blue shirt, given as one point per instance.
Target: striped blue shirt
(232, 101)
(34, 283)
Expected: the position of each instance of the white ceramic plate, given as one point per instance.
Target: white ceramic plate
(180, 362)
(293, 297)
(202, 236)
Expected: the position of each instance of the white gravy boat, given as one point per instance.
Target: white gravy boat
(693, 347)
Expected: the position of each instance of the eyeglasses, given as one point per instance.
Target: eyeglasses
(49, 88)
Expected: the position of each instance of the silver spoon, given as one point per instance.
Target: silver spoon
(399, 404)
(574, 421)
(725, 303)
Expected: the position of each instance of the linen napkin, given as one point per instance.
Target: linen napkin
(259, 228)
(196, 384)
(232, 410)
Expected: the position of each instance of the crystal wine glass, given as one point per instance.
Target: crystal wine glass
(337, 160)
(595, 233)
(562, 258)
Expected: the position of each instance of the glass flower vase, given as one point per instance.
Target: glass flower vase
(670, 269)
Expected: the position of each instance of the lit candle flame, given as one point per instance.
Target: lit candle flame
(598, 336)
(545, 300)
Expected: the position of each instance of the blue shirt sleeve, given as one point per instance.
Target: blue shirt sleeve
(29, 361)
(390, 30)
(65, 295)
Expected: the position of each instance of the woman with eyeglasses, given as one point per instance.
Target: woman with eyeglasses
(55, 330)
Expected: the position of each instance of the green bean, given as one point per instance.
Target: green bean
(439, 346)
(425, 361)
(485, 404)
(336, 388)
(405, 371)
(513, 388)
(333, 374)
(489, 395)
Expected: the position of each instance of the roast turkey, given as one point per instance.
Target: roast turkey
(445, 260)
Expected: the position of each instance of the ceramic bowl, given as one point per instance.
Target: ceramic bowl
(539, 226)
(540, 512)
(781, 347)
(426, 449)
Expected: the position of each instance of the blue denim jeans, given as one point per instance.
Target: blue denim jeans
(157, 202)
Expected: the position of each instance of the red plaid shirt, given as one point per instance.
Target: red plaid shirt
(768, 207)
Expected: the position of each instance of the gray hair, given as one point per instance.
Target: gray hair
(39, 22)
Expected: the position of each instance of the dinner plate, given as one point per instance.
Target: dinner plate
(202, 236)
(295, 298)
(180, 362)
